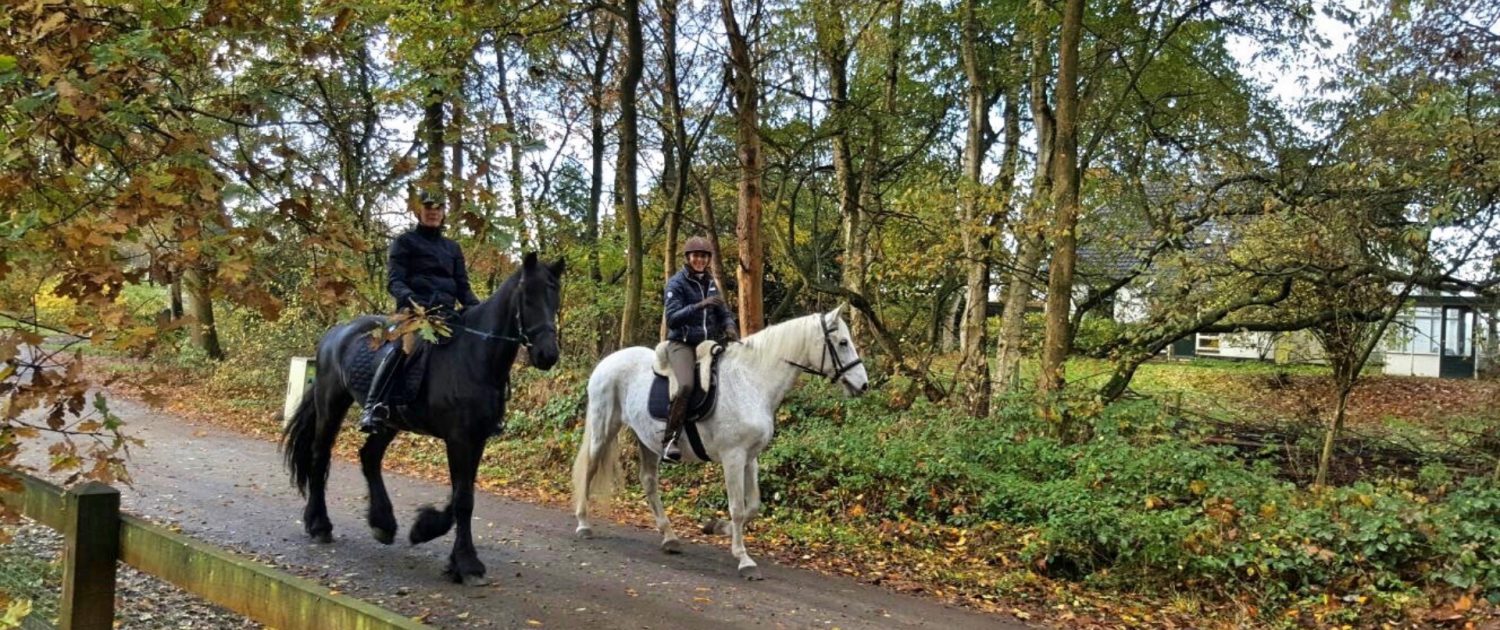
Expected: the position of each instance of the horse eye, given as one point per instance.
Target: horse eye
(843, 343)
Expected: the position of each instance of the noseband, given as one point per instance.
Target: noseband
(829, 352)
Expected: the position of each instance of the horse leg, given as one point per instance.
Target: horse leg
(734, 486)
(650, 467)
(381, 517)
(463, 467)
(721, 527)
(331, 407)
(752, 488)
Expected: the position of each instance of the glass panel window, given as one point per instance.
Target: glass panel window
(1416, 331)
(1208, 343)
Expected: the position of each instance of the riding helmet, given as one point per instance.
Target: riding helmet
(697, 244)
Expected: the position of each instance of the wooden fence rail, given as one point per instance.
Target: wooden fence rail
(97, 535)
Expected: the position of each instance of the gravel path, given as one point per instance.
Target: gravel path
(232, 491)
(30, 566)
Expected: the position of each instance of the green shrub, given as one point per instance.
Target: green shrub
(1131, 507)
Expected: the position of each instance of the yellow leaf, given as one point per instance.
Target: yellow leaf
(17, 611)
(1198, 487)
(533, 622)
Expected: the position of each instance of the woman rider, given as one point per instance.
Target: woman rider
(695, 312)
(425, 269)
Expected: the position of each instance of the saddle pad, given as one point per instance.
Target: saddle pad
(406, 384)
(702, 403)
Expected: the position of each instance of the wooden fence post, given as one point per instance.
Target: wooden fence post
(92, 547)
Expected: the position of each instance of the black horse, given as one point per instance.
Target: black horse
(464, 395)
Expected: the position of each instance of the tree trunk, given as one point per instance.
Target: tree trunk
(513, 144)
(629, 139)
(432, 126)
(1325, 458)
(953, 322)
(456, 178)
(862, 222)
(1065, 198)
(176, 293)
(597, 146)
(973, 363)
(1030, 244)
(706, 210)
(669, 264)
(833, 48)
(197, 288)
(677, 161)
(748, 227)
(1491, 343)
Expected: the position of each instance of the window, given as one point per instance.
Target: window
(1208, 344)
(1416, 331)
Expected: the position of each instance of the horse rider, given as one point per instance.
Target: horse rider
(695, 312)
(424, 269)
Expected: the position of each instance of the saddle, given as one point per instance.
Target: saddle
(405, 385)
(705, 390)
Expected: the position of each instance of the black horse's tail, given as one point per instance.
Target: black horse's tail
(297, 443)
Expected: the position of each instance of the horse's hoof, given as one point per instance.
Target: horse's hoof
(751, 573)
(383, 536)
(323, 538)
(673, 546)
(476, 580)
(584, 533)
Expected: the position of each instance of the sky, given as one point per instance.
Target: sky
(1290, 82)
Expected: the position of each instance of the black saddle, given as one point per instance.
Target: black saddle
(701, 403)
(405, 385)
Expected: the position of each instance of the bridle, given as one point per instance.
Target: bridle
(522, 335)
(829, 352)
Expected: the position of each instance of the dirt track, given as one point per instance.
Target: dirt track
(231, 490)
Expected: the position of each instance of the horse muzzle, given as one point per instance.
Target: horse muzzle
(543, 359)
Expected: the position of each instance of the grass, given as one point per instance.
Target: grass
(26, 577)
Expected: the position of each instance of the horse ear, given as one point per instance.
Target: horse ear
(558, 267)
(529, 261)
(836, 312)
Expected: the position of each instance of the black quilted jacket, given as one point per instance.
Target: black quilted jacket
(428, 269)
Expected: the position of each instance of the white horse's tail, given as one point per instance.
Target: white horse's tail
(597, 472)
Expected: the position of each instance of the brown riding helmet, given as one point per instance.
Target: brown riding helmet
(697, 244)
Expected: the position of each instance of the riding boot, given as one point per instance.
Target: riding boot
(676, 415)
(375, 408)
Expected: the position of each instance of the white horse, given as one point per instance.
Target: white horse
(754, 377)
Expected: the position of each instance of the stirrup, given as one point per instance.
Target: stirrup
(371, 420)
(670, 453)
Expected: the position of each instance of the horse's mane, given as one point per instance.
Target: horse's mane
(786, 339)
(486, 314)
